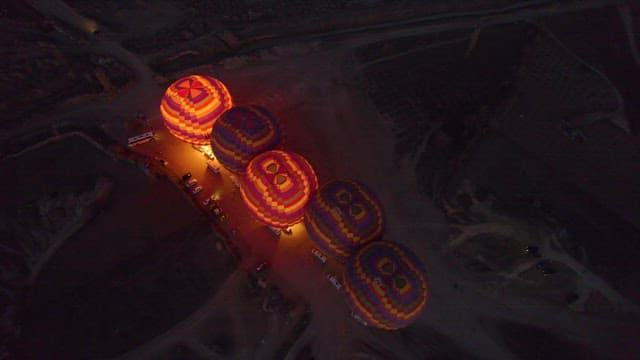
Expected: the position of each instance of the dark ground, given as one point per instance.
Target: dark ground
(607, 50)
(452, 96)
(36, 51)
(534, 343)
(143, 264)
(428, 99)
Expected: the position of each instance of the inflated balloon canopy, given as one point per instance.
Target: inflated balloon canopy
(385, 284)
(243, 132)
(277, 185)
(342, 217)
(191, 105)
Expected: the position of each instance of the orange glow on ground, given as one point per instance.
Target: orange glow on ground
(299, 236)
(90, 26)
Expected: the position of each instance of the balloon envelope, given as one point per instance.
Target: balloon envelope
(385, 285)
(243, 132)
(191, 105)
(277, 185)
(343, 216)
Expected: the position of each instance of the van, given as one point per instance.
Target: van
(275, 231)
(234, 181)
(211, 166)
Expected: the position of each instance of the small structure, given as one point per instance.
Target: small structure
(191, 105)
(138, 130)
(140, 139)
(277, 186)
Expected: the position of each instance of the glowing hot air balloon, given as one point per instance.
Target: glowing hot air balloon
(343, 216)
(385, 285)
(243, 132)
(191, 105)
(277, 186)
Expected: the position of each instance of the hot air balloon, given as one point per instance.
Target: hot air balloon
(385, 285)
(277, 185)
(343, 216)
(191, 105)
(243, 132)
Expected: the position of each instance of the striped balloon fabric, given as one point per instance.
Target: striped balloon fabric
(343, 216)
(277, 186)
(191, 105)
(243, 132)
(385, 285)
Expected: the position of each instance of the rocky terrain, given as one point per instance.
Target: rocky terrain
(31, 236)
(46, 63)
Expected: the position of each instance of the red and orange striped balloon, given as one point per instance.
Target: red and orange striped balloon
(191, 105)
(277, 186)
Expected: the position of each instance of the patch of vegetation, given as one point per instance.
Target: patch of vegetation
(534, 343)
(182, 352)
(440, 98)
(413, 342)
(300, 326)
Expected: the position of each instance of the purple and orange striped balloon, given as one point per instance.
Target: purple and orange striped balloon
(242, 133)
(343, 216)
(385, 284)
